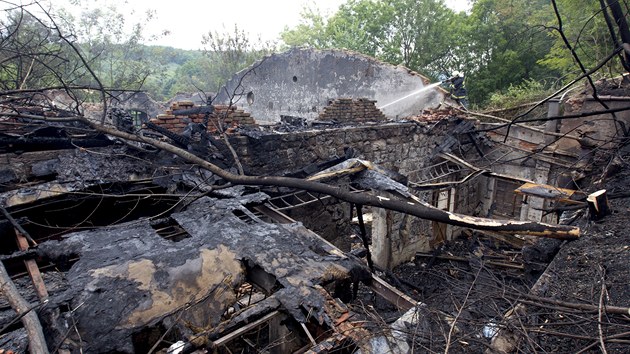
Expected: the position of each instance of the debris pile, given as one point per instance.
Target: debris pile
(437, 114)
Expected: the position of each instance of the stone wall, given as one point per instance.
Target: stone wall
(403, 147)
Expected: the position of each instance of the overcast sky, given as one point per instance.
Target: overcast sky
(188, 20)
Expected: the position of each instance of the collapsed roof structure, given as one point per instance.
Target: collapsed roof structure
(199, 229)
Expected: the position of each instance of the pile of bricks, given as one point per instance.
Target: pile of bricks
(230, 117)
(347, 110)
(434, 115)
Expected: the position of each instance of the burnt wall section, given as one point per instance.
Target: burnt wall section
(402, 147)
(515, 157)
(301, 82)
(129, 277)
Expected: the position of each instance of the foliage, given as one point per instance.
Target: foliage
(309, 32)
(504, 46)
(112, 45)
(229, 53)
(584, 25)
(527, 91)
(22, 33)
(498, 44)
(414, 33)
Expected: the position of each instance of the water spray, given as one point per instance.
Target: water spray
(412, 94)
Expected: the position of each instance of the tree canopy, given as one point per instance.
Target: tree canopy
(498, 43)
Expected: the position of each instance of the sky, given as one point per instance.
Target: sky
(187, 20)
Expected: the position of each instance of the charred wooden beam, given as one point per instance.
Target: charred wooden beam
(31, 267)
(18, 143)
(239, 332)
(18, 227)
(598, 205)
(391, 294)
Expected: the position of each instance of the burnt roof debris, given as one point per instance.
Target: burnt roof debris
(128, 277)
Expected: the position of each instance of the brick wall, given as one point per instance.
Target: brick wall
(347, 110)
(229, 116)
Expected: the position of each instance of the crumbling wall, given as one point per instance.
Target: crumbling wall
(344, 110)
(228, 117)
(402, 147)
(301, 82)
(596, 130)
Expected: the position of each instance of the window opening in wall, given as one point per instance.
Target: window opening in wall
(250, 98)
(506, 202)
(441, 200)
(138, 117)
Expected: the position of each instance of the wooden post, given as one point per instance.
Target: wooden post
(31, 267)
(598, 204)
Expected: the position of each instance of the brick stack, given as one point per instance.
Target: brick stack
(231, 117)
(347, 110)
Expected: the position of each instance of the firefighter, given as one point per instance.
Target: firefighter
(457, 88)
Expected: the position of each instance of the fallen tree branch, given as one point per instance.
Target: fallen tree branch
(538, 300)
(17, 226)
(423, 211)
(36, 339)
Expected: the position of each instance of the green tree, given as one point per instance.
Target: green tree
(230, 52)
(310, 32)
(584, 25)
(419, 36)
(414, 33)
(502, 45)
(111, 44)
(362, 26)
(28, 48)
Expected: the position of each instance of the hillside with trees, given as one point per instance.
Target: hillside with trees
(510, 53)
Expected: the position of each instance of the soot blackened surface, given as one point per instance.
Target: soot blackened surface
(299, 259)
(128, 277)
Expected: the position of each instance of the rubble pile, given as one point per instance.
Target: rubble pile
(435, 115)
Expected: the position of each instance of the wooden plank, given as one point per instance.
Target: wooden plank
(598, 204)
(239, 332)
(32, 268)
(545, 191)
(391, 294)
